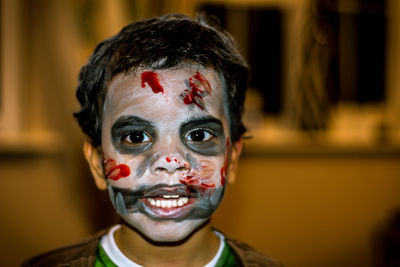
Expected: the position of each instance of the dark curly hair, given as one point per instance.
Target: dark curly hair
(162, 43)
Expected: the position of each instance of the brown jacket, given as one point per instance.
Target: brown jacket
(84, 255)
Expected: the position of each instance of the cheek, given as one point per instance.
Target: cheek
(205, 176)
(115, 171)
(208, 169)
(119, 169)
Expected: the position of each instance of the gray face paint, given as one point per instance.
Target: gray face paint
(128, 201)
(120, 205)
(146, 163)
(197, 128)
(192, 161)
(111, 194)
(129, 134)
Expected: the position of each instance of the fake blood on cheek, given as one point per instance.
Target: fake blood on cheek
(114, 171)
(151, 78)
(190, 180)
(201, 179)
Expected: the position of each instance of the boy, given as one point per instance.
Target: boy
(162, 103)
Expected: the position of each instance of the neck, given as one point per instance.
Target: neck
(196, 250)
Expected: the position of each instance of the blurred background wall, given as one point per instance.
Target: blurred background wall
(318, 183)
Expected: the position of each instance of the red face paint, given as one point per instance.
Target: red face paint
(195, 95)
(114, 171)
(151, 78)
(224, 169)
(191, 180)
(203, 82)
(201, 180)
(168, 159)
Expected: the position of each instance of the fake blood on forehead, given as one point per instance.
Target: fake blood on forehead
(195, 95)
(151, 78)
(114, 171)
(203, 81)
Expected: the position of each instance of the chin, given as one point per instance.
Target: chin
(163, 230)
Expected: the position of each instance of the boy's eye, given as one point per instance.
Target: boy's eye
(199, 136)
(137, 138)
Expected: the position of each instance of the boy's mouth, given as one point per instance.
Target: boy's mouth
(168, 201)
(161, 202)
(165, 202)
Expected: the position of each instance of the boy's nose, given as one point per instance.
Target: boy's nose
(170, 164)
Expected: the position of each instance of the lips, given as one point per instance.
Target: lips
(168, 202)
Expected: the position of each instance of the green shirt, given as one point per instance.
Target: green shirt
(226, 259)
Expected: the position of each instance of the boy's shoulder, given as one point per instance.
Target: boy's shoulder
(80, 254)
(249, 256)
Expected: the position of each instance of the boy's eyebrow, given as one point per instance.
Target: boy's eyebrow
(204, 120)
(131, 119)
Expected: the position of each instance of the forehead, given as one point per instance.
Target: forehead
(166, 94)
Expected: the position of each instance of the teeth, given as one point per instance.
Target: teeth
(168, 203)
(170, 196)
(180, 202)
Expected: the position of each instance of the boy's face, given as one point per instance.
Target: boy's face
(166, 149)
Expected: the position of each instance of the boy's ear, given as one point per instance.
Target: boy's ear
(94, 159)
(235, 154)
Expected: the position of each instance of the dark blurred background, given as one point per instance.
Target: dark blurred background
(318, 182)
